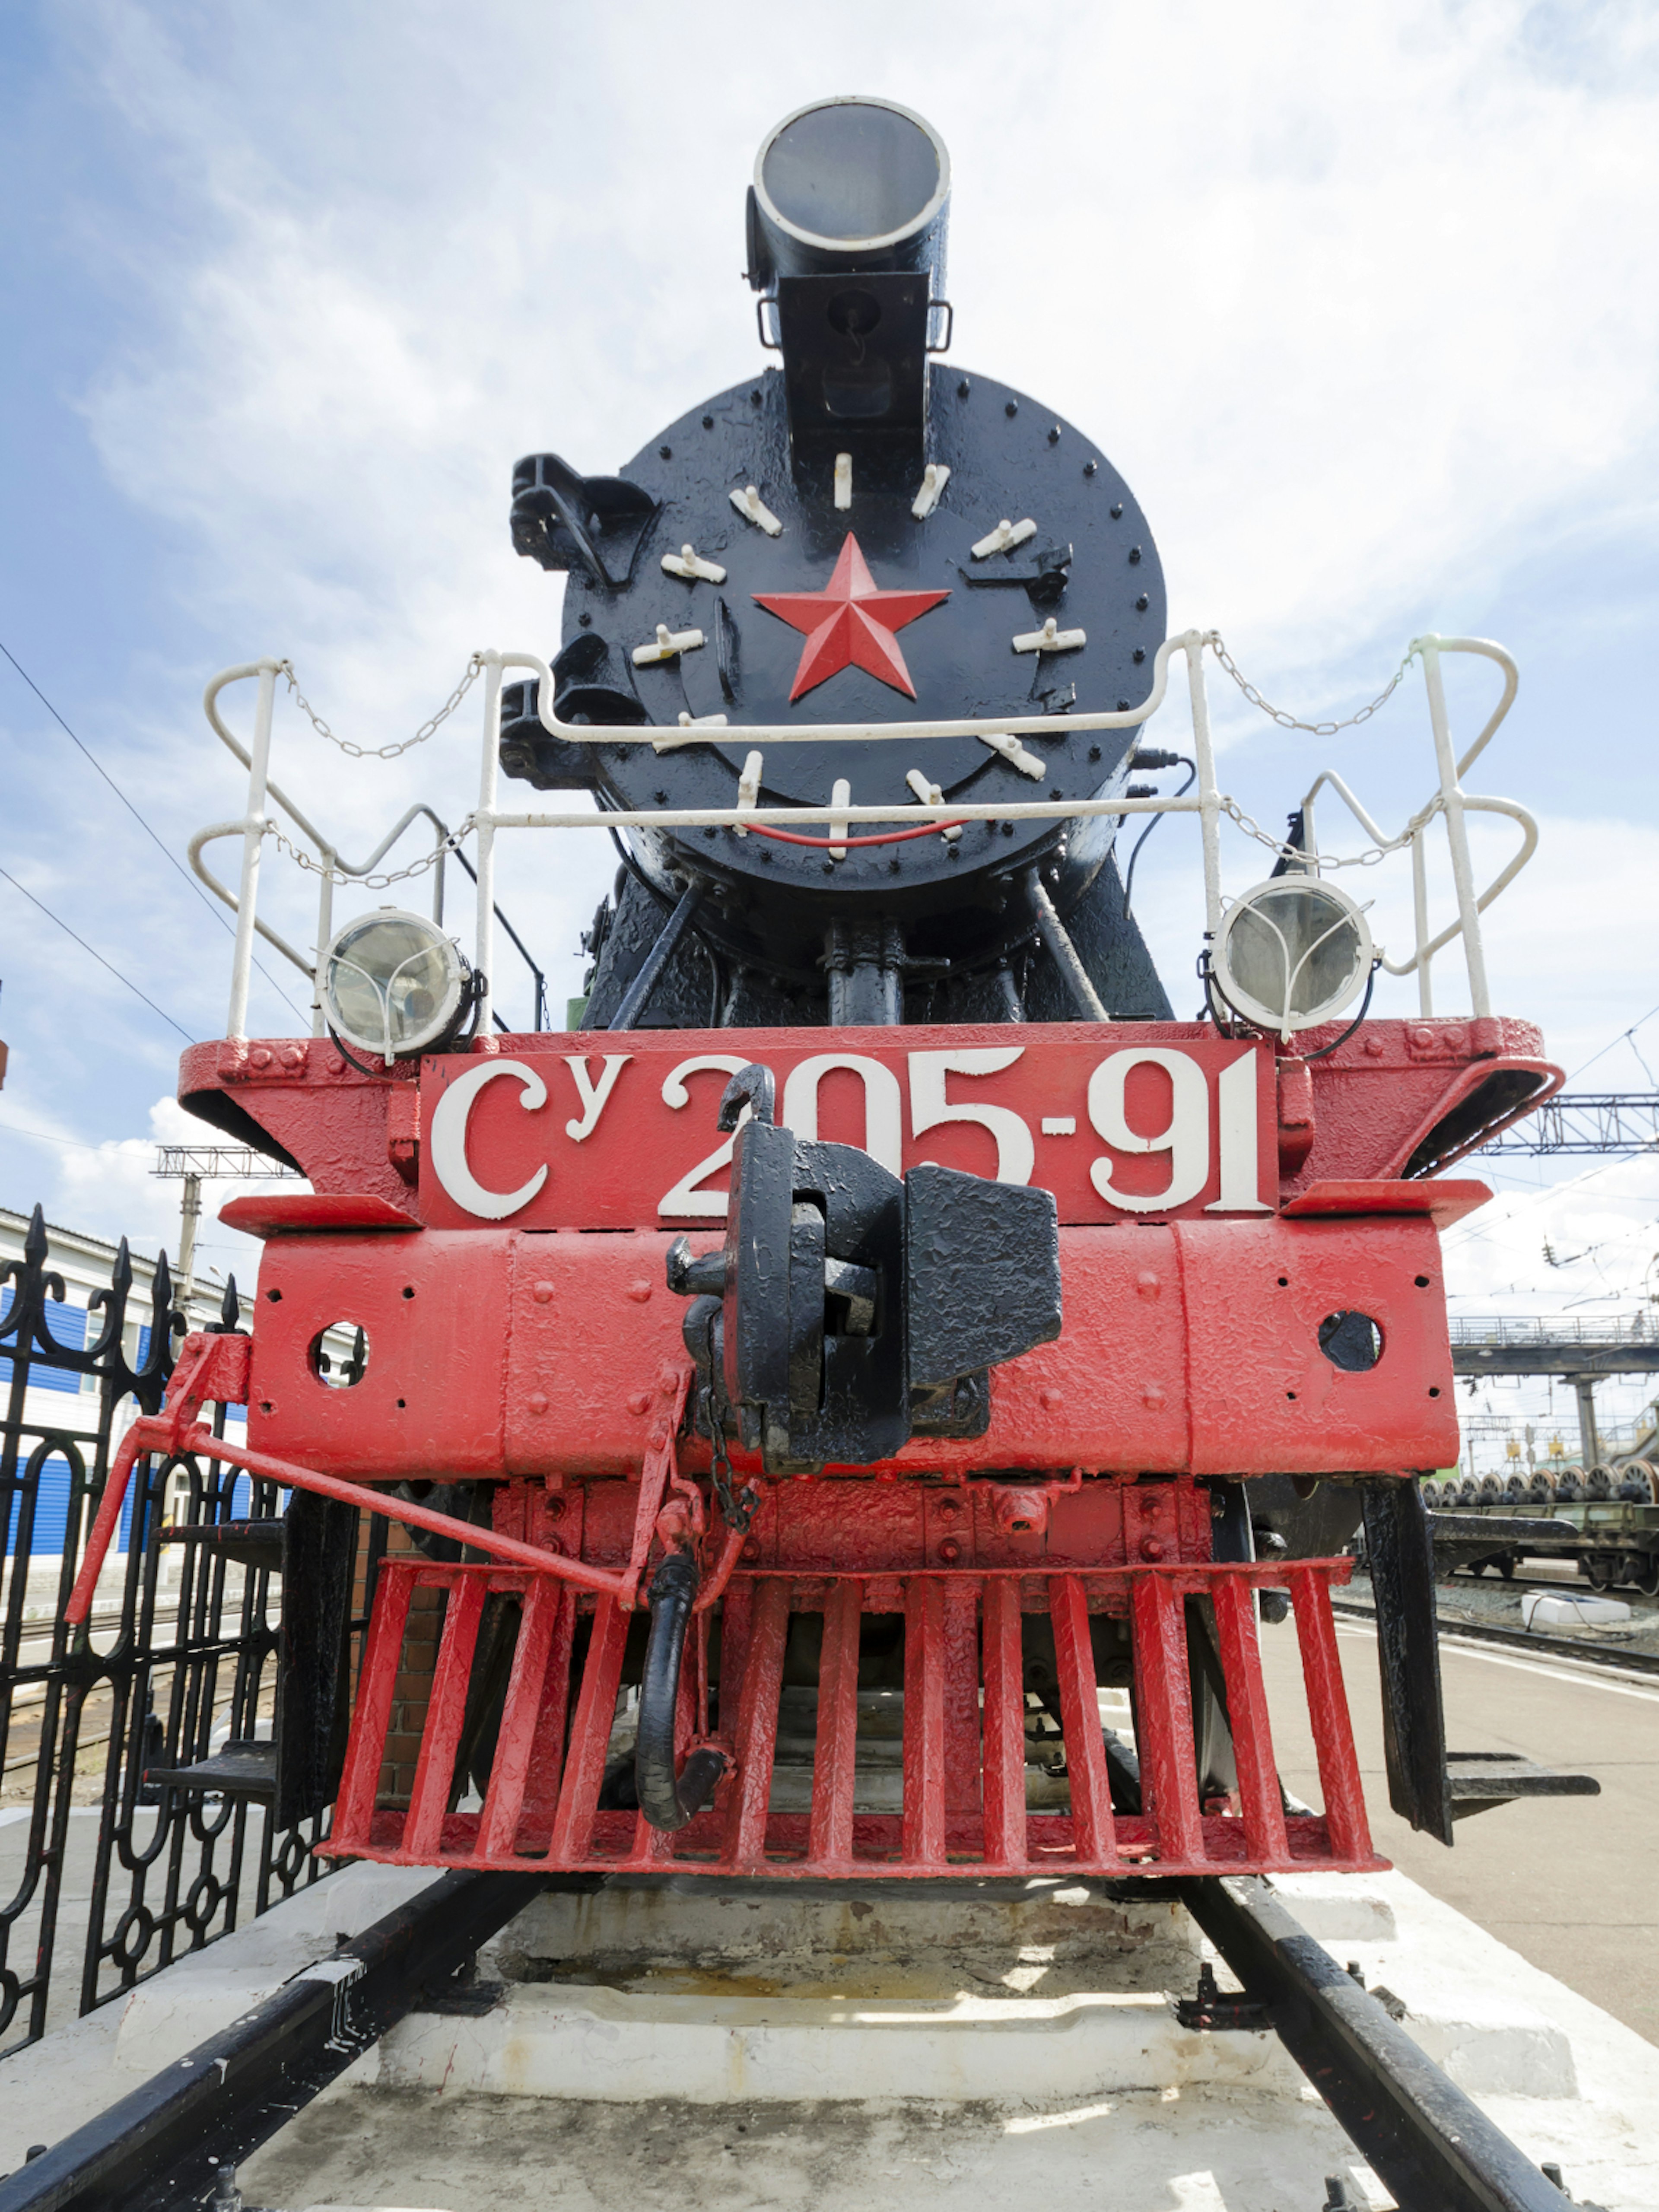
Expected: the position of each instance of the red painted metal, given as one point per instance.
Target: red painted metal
(740, 1834)
(497, 1353)
(1440, 1201)
(546, 1360)
(1373, 1099)
(277, 1213)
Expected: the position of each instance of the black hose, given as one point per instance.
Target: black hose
(668, 1800)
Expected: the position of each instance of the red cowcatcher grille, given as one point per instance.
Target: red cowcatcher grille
(964, 1730)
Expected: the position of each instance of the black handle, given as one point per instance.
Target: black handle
(666, 1799)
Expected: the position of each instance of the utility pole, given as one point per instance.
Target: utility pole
(193, 1165)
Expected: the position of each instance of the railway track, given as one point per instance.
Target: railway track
(173, 2142)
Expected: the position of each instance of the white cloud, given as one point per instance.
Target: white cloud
(1358, 298)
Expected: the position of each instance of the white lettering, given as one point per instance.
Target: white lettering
(592, 1094)
(1187, 1139)
(688, 1200)
(1236, 1137)
(931, 1110)
(449, 1126)
(883, 1123)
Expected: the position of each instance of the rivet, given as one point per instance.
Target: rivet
(1048, 1397)
(708, 421)
(1151, 1547)
(1152, 1395)
(1007, 829)
(1134, 556)
(640, 1292)
(1012, 407)
(949, 1551)
(552, 1544)
(583, 620)
(1122, 706)
(751, 1550)
(658, 1437)
(947, 1509)
(1094, 752)
(753, 399)
(542, 1293)
(640, 1402)
(666, 452)
(293, 1055)
(1054, 435)
(668, 1382)
(536, 1401)
(964, 389)
(1147, 1284)
(260, 1056)
(555, 1509)
(1373, 1047)
(1089, 467)
(1117, 512)
(1419, 1037)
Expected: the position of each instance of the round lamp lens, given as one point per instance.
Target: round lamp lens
(1292, 953)
(392, 983)
(851, 171)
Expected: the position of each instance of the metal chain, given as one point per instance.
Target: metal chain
(1289, 721)
(380, 883)
(1368, 858)
(474, 669)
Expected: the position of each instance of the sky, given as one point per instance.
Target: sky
(1359, 300)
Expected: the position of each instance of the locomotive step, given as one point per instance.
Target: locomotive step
(243, 1768)
(259, 1543)
(1480, 1779)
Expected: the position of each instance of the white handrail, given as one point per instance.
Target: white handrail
(1452, 803)
(1205, 800)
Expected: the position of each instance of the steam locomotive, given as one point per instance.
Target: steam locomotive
(879, 1310)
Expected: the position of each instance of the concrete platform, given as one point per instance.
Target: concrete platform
(1009, 2044)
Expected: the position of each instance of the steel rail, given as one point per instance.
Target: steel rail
(1524, 1639)
(160, 2148)
(1430, 2144)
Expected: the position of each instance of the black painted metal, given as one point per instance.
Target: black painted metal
(1430, 2144)
(1400, 1550)
(84, 1717)
(1064, 954)
(158, 2150)
(1092, 565)
(638, 995)
(851, 1309)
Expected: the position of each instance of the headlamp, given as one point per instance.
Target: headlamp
(394, 985)
(1291, 953)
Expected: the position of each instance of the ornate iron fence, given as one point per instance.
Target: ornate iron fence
(179, 1655)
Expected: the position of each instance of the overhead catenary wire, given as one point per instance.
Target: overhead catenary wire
(155, 838)
(99, 957)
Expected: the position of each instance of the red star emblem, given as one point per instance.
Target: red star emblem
(849, 623)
